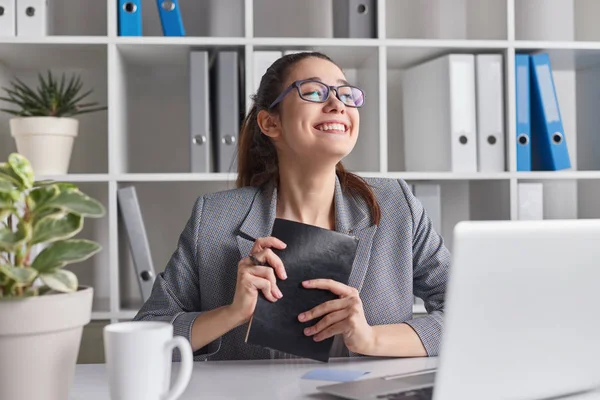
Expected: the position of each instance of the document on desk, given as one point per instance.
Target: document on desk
(336, 375)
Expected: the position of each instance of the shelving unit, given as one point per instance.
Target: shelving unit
(142, 139)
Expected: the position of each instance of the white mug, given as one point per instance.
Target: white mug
(138, 360)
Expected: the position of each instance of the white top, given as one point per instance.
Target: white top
(260, 379)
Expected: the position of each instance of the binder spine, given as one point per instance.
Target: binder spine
(8, 18)
(170, 17)
(548, 136)
(463, 110)
(130, 17)
(200, 141)
(138, 241)
(523, 112)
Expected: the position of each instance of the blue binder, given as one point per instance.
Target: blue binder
(548, 139)
(523, 112)
(170, 17)
(130, 17)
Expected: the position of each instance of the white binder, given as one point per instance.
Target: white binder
(200, 138)
(262, 60)
(8, 18)
(490, 113)
(33, 18)
(439, 115)
(531, 201)
(430, 196)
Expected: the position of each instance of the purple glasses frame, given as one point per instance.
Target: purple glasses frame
(296, 85)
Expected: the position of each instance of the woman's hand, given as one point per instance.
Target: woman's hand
(341, 316)
(251, 277)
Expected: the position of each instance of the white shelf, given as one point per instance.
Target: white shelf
(76, 177)
(143, 138)
(128, 314)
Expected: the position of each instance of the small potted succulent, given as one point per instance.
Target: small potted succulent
(44, 126)
(43, 309)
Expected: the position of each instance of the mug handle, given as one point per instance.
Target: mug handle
(185, 372)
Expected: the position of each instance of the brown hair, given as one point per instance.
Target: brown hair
(257, 156)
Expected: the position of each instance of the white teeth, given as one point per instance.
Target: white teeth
(332, 127)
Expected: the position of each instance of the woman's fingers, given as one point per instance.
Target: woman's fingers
(263, 243)
(266, 273)
(262, 284)
(322, 309)
(327, 321)
(268, 257)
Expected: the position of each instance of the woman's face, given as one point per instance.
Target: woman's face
(320, 131)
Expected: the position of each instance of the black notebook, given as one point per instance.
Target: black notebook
(311, 252)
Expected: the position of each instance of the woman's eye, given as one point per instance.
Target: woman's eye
(314, 94)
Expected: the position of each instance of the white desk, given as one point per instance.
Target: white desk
(261, 379)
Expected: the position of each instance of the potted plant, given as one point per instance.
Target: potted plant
(42, 307)
(44, 126)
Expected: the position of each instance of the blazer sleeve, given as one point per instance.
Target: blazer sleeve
(175, 296)
(431, 267)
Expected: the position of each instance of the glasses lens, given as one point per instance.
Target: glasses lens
(314, 91)
(351, 96)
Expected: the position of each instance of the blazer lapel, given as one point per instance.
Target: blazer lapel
(259, 221)
(352, 218)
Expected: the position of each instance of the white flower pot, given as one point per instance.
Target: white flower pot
(46, 142)
(39, 344)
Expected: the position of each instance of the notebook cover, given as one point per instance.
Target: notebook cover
(311, 252)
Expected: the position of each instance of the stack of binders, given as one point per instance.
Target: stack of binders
(453, 114)
(130, 17)
(216, 104)
(541, 141)
(25, 18)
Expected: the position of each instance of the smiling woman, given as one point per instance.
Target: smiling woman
(305, 119)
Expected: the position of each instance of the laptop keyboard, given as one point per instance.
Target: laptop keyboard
(419, 394)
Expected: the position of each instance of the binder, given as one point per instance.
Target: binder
(138, 241)
(170, 17)
(531, 201)
(523, 112)
(430, 196)
(130, 17)
(33, 18)
(262, 62)
(548, 141)
(490, 113)
(8, 18)
(443, 87)
(355, 18)
(226, 119)
(200, 140)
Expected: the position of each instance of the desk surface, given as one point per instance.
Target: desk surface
(260, 379)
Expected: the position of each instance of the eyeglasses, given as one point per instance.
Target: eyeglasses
(318, 92)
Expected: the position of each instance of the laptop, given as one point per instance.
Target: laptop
(521, 317)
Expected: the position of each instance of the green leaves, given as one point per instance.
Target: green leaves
(56, 227)
(10, 241)
(51, 97)
(76, 202)
(22, 276)
(47, 212)
(22, 168)
(61, 280)
(61, 253)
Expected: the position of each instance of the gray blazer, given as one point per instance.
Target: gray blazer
(401, 258)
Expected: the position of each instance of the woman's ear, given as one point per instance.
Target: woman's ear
(269, 124)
